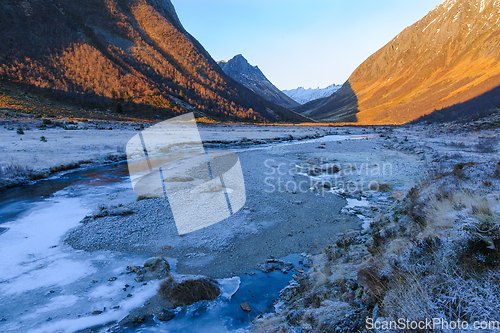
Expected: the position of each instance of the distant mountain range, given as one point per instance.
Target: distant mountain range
(304, 95)
(129, 52)
(252, 77)
(445, 66)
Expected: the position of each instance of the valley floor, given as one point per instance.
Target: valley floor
(35, 149)
(355, 200)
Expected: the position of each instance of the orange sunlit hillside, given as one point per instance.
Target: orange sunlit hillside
(448, 58)
(133, 52)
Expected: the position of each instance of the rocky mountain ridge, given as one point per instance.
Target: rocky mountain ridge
(252, 77)
(305, 95)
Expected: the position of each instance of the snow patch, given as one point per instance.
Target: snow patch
(353, 203)
(482, 6)
(429, 24)
(72, 325)
(58, 273)
(56, 303)
(30, 240)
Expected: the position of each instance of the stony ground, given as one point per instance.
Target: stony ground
(290, 207)
(432, 253)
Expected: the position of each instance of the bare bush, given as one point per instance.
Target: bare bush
(496, 173)
(13, 171)
(457, 144)
(487, 145)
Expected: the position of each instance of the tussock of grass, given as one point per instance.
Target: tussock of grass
(436, 254)
(189, 291)
(457, 144)
(487, 145)
(11, 174)
(15, 171)
(496, 172)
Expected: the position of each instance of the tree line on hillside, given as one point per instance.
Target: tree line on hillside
(118, 51)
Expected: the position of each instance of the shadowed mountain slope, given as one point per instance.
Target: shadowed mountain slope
(252, 77)
(135, 52)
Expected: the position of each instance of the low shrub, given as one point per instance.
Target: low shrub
(496, 172)
(12, 171)
(189, 291)
(487, 145)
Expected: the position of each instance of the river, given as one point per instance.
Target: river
(47, 286)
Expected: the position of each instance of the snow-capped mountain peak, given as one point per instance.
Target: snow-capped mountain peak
(303, 95)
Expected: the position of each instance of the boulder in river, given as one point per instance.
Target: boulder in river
(165, 315)
(104, 211)
(275, 264)
(135, 269)
(245, 307)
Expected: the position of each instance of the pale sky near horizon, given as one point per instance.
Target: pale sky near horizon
(299, 43)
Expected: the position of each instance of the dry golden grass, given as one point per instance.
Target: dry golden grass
(435, 254)
(407, 297)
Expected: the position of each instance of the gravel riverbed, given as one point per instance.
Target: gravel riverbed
(285, 212)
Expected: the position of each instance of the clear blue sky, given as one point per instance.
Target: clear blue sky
(307, 43)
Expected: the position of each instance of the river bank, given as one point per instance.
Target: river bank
(433, 253)
(37, 149)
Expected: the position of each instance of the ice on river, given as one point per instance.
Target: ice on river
(46, 286)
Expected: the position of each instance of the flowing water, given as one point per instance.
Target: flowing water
(47, 286)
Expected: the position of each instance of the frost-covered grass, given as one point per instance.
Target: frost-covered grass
(25, 157)
(487, 145)
(16, 171)
(434, 254)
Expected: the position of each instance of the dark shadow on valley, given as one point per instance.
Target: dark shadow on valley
(341, 107)
(473, 109)
(83, 100)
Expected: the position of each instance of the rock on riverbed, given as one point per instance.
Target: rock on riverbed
(154, 268)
